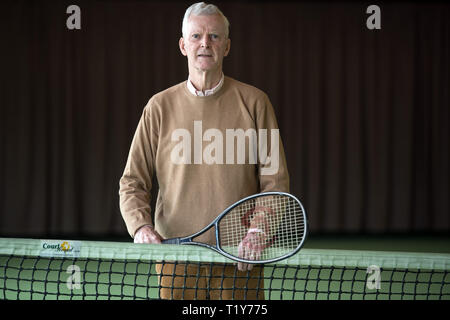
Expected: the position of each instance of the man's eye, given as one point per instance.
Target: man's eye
(195, 36)
(214, 36)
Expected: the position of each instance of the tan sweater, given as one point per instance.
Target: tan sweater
(192, 145)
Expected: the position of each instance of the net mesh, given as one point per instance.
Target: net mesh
(51, 269)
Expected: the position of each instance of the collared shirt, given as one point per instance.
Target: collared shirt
(205, 93)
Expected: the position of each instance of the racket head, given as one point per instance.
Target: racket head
(279, 219)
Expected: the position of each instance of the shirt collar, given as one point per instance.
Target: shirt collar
(205, 93)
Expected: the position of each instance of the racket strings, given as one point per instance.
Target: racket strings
(278, 221)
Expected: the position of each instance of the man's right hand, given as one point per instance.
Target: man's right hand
(147, 234)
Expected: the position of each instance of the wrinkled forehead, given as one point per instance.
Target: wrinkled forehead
(213, 23)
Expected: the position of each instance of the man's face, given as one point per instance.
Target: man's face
(205, 42)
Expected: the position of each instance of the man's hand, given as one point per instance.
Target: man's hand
(250, 248)
(147, 234)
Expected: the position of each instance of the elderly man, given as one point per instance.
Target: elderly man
(181, 138)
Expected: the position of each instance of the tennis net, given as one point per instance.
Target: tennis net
(58, 269)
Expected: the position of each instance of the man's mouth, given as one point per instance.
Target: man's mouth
(205, 55)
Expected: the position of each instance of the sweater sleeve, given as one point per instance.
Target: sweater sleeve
(136, 182)
(272, 169)
(272, 166)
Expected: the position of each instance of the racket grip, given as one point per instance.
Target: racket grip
(171, 241)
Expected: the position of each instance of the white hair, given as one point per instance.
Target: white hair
(203, 9)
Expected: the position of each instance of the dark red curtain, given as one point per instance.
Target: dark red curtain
(363, 113)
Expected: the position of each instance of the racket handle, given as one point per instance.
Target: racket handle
(171, 241)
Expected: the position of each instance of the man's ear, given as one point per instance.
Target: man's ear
(227, 50)
(182, 48)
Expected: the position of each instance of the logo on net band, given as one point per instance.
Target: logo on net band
(234, 146)
(60, 248)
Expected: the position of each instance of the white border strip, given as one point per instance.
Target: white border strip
(313, 257)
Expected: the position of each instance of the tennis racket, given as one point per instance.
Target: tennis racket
(278, 219)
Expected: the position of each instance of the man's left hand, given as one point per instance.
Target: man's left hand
(250, 248)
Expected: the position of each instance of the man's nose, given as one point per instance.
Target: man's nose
(205, 41)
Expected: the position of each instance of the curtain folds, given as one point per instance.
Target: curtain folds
(363, 113)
